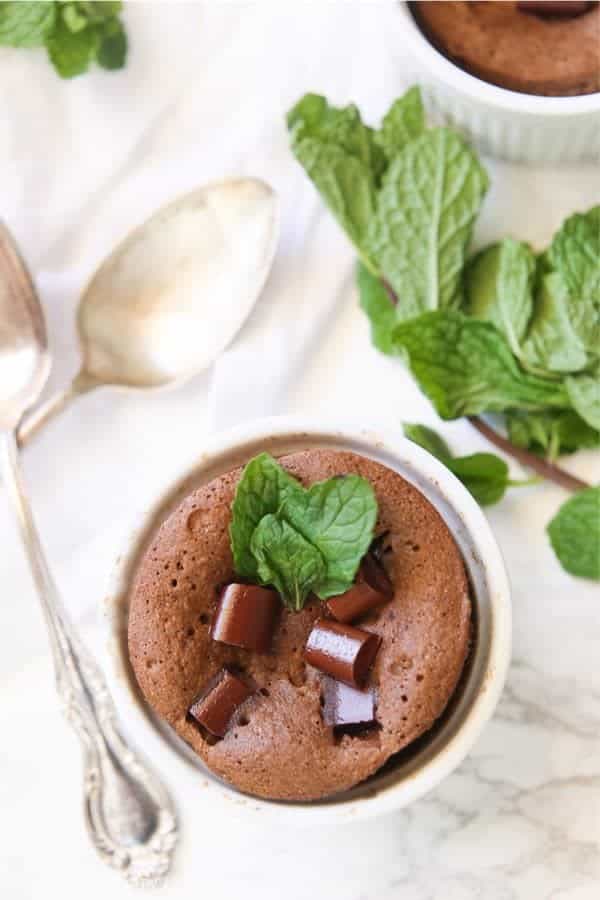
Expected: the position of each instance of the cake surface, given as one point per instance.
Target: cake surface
(521, 51)
(277, 746)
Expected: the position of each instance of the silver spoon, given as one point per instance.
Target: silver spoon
(174, 293)
(128, 812)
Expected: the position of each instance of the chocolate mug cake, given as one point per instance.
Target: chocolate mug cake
(301, 679)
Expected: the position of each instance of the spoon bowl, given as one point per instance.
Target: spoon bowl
(174, 292)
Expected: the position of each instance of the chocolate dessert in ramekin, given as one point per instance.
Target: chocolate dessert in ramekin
(300, 704)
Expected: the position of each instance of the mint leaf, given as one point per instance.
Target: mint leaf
(429, 439)
(404, 122)
(98, 11)
(24, 24)
(584, 394)
(575, 253)
(112, 50)
(286, 560)
(426, 207)
(484, 475)
(499, 288)
(466, 367)
(346, 185)
(337, 517)
(342, 127)
(73, 17)
(340, 156)
(263, 487)
(552, 344)
(71, 52)
(380, 310)
(575, 534)
(297, 539)
(551, 433)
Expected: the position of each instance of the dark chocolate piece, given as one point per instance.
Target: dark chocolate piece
(343, 705)
(559, 8)
(342, 651)
(380, 546)
(372, 588)
(216, 704)
(246, 617)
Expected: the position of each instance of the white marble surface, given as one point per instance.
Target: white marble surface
(80, 162)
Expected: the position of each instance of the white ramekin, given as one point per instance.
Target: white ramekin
(418, 769)
(508, 124)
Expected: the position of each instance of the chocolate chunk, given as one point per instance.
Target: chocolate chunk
(246, 617)
(343, 705)
(214, 707)
(380, 546)
(372, 588)
(342, 651)
(558, 8)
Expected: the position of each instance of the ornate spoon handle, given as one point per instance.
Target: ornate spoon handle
(128, 813)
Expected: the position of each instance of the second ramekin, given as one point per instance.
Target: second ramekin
(510, 125)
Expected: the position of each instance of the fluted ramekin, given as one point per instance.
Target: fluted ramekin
(419, 767)
(508, 124)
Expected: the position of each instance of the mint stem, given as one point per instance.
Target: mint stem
(543, 467)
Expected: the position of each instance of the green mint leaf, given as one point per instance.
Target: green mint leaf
(484, 475)
(340, 156)
(286, 560)
(112, 50)
(426, 208)
(575, 252)
(404, 122)
(71, 52)
(73, 17)
(466, 367)
(575, 534)
(24, 24)
(380, 310)
(552, 344)
(573, 261)
(584, 394)
(499, 288)
(342, 127)
(344, 182)
(551, 433)
(263, 487)
(429, 439)
(337, 517)
(98, 11)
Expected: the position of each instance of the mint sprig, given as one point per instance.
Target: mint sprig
(501, 331)
(300, 540)
(485, 475)
(75, 34)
